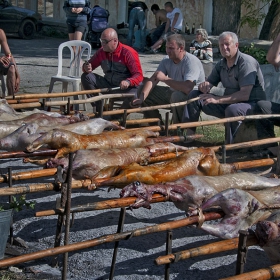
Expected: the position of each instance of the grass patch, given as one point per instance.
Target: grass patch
(213, 134)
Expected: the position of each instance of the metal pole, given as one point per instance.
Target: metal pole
(168, 251)
(120, 229)
(10, 201)
(67, 219)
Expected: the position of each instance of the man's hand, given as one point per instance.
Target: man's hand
(77, 10)
(124, 84)
(208, 98)
(5, 61)
(87, 67)
(159, 76)
(204, 87)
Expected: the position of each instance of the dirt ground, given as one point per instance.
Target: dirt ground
(135, 259)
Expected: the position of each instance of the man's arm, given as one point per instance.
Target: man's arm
(240, 96)
(273, 55)
(174, 21)
(167, 25)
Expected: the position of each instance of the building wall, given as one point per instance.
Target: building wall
(194, 12)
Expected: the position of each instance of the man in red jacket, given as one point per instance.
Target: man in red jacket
(120, 64)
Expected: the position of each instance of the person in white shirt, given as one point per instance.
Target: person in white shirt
(174, 24)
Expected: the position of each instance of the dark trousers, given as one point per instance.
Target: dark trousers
(158, 33)
(192, 112)
(265, 127)
(95, 81)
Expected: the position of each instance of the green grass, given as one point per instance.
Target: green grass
(213, 134)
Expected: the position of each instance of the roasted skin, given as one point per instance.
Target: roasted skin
(192, 191)
(200, 161)
(66, 142)
(87, 163)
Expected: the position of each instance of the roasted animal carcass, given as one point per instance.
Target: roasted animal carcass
(87, 163)
(200, 161)
(20, 138)
(242, 210)
(268, 234)
(45, 120)
(192, 191)
(8, 113)
(244, 198)
(66, 142)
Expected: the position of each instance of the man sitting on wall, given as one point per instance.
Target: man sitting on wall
(240, 75)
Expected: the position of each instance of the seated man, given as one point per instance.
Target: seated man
(8, 66)
(242, 79)
(265, 128)
(161, 19)
(120, 64)
(174, 24)
(180, 71)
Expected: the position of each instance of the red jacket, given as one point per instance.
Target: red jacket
(122, 64)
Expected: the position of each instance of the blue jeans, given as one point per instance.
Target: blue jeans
(137, 17)
(158, 33)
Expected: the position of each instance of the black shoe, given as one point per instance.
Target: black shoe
(120, 25)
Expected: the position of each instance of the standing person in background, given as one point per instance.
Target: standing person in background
(174, 24)
(77, 12)
(161, 19)
(201, 47)
(8, 66)
(138, 16)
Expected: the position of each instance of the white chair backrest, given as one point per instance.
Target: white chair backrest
(79, 50)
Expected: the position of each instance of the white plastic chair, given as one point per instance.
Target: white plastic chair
(3, 84)
(82, 50)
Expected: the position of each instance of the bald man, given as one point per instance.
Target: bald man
(120, 64)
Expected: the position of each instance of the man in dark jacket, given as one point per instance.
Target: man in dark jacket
(120, 64)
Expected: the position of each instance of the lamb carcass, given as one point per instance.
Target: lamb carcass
(242, 210)
(45, 120)
(20, 138)
(268, 234)
(200, 161)
(66, 142)
(87, 163)
(91, 127)
(192, 191)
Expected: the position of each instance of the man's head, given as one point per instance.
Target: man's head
(154, 8)
(228, 44)
(168, 7)
(175, 47)
(109, 40)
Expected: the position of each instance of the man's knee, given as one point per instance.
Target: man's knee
(88, 78)
(178, 96)
(233, 110)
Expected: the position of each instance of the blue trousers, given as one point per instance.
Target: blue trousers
(137, 17)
